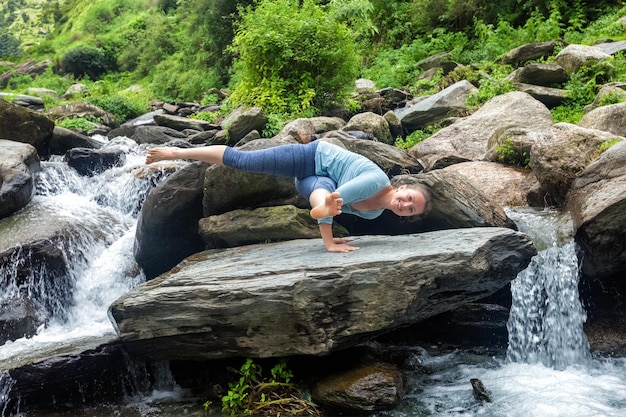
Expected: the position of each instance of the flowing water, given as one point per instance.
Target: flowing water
(546, 371)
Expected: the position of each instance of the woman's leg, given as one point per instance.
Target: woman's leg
(296, 161)
(211, 154)
(320, 191)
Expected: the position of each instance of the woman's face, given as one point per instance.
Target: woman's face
(407, 201)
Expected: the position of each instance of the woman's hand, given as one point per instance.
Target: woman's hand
(334, 244)
(340, 246)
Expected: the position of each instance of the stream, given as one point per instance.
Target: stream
(547, 369)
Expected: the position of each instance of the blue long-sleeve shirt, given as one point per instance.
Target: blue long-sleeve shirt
(357, 177)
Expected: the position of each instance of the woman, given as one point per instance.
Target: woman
(333, 179)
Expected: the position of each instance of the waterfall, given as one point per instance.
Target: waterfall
(546, 319)
(72, 302)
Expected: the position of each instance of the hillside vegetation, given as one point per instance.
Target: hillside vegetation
(292, 57)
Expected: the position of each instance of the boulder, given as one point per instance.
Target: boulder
(563, 154)
(468, 138)
(611, 48)
(236, 303)
(530, 52)
(158, 135)
(30, 68)
(167, 228)
(242, 121)
(19, 165)
(371, 123)
(30, 102)
(89, 162)
(261, 225)
(548, 75)
(435, 108)
(63, 140)
(574, 57)
(181, 123)
(597, 202)
(366, 388)
(22, 125)
(82, 109)
(549, 96)
(611, 118)
(513, 187)
(607, 91)
(228, 189)
(306, 130)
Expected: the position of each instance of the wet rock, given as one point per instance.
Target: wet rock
(479, 390)
(597, 202)
(19, 165)
(367, 388)
(220, 303)
(23, 125)
(93, 161)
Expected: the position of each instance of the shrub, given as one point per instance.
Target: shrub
(76, 123)
(508, 153)
(257, 395)
(416, 137)
(9, 45)
(293, 58)
(85, 60)
(121, 107)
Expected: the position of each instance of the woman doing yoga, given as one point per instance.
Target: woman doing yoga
(332, 179)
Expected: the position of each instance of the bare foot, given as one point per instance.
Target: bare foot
(329, 208)
(160, 154)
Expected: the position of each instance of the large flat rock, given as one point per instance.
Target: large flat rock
(294, 298)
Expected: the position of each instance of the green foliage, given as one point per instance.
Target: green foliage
(206, 116)
(9, 45)
(275, 123)
(490, 85)
(604, 146)
(253, 394)
(292, 58)
(508, 153)
(612, 97)
(76, 123)
(172, 80)
(582, 88)
(145, 43)
(416, 137)
(85, 61)
(397, 67)
(121, 107)
(209, 30)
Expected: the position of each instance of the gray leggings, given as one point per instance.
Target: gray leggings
(296, 161)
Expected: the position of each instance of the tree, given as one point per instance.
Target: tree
(9, 45)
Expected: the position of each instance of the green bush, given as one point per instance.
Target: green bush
(121, 107)
(76, 123)
(9, 45)
(510, 154)
(293, 58)
(85, 61)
